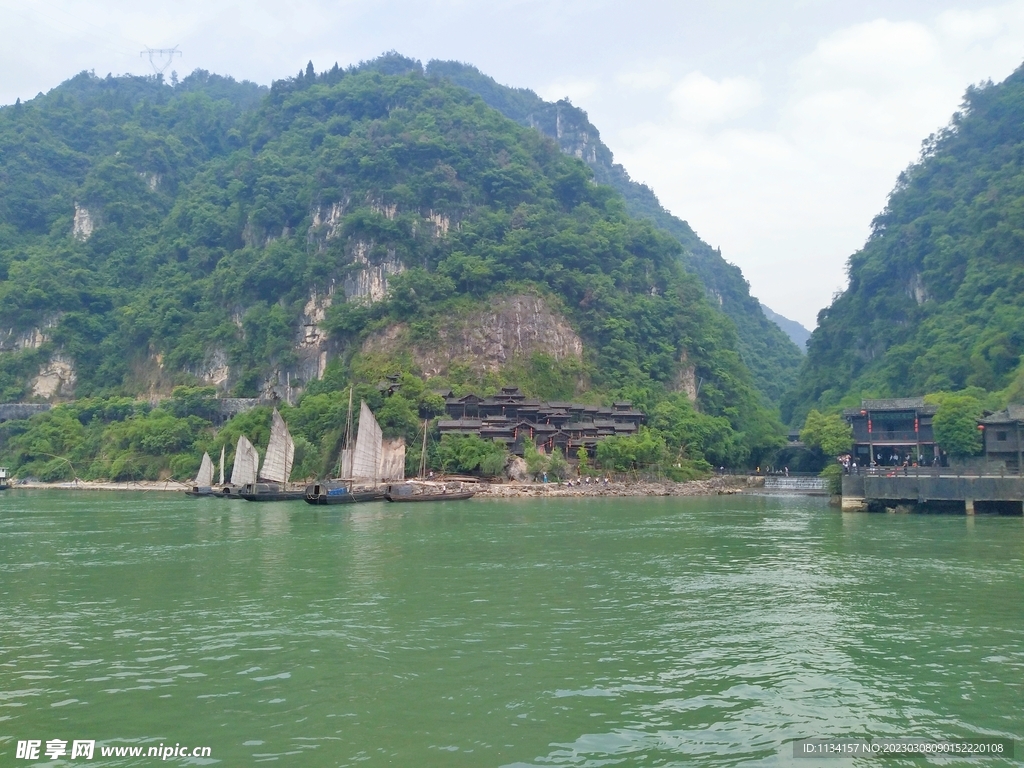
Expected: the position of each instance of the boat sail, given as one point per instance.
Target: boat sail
(222, 465)
(205, 477)
(366, 455)
(243, 471)
(277, 467)
(277, 464)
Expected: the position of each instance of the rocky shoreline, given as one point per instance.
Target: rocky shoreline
(98, 485)
(714, 486)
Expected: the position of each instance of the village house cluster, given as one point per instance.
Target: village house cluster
(511, 417)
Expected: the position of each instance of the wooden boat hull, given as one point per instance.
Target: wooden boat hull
(200, 491)
(313, 495)
(459, 496)
(269, 492)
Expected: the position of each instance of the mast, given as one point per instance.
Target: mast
(345, 457)
(423, 452)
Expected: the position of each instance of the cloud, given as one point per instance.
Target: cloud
(700, 99)
(785, 169)
(644, 80)
(577, 91)
(871, 54)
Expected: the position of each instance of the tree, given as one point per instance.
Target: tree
(193, 401)
(584, 460)
(558, 467)
(956, 425)
(536, 462)
(470, 453)
(830, 433)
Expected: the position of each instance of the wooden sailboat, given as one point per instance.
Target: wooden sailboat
(243, 470)
(272, 482)
(203, 484)
(359, 467)
(423, 490)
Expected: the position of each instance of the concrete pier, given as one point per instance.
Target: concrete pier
(939, 490)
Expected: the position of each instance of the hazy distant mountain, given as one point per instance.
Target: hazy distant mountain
(792, 328)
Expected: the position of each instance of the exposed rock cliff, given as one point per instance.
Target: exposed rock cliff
(511, 327)
(13, 340)
(56, 379)
(214, 371)
(83, 224)
(369, 281)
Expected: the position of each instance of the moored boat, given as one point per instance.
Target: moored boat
(4, 482)
(339, 492)
(395, 495)
(272, 477)
(361, 468)
(203, 484)
(243, 470)
(426, 490)
(269, 492)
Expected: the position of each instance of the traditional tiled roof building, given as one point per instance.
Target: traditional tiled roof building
(892, 430)
(510, 416)
(1004, 436)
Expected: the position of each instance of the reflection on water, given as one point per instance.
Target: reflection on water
(574, 633)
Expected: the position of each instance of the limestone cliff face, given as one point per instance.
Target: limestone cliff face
(364, 278)
(686, 379)
(214, 371)
(312, 350)
(511, 327)
(83, 225)
(13, 340)
(368, 281)
(56, 379)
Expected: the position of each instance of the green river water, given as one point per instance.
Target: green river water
(602, 632)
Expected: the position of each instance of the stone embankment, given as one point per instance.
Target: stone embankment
(99, 485)
(712, 487)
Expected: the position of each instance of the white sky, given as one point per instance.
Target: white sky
(776, 129)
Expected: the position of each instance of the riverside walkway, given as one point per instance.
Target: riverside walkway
(934, 488)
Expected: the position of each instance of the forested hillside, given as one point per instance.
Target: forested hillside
(341, 226)
(936, 296)
(768, 352)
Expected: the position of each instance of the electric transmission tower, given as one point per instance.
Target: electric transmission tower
(160, 58)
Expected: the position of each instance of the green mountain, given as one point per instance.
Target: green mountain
(335, 228)
(936, 296)
(796, 332)
(768, 352)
